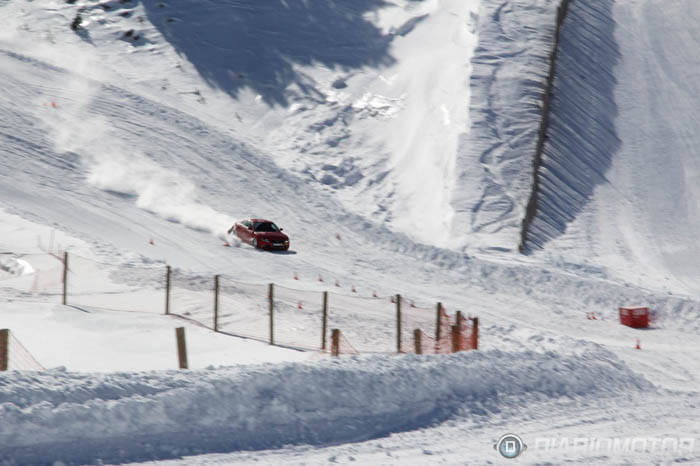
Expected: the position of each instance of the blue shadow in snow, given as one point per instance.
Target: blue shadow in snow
(237, 44)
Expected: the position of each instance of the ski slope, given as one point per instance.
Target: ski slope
(396, 154)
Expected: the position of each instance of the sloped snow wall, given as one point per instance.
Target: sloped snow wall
(577, 138)
(510, 68)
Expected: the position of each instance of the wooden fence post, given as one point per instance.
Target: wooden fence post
(324, 324)
(475, 333)
(455, 338)
(271, 298)
(418, 340)
(64, 301)
(459, 322)
(398, 323)
(216, 303)
(181, 347)
(438, 321)
(335, 342)
(4, 349)
(168, 273)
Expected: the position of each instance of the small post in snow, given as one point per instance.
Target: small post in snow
(475, 333)
(455, 338)
(418, 340)
(335, 342)
(181, 347)
(4, 349)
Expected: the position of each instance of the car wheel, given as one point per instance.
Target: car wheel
(255, 243)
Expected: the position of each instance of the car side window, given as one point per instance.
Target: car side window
(247, 225)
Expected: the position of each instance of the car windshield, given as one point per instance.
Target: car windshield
(265, 226)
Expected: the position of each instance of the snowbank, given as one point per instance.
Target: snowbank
(72, 417)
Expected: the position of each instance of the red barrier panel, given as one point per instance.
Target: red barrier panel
(635, 317)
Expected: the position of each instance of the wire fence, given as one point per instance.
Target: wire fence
(276, 314)
(13, 354)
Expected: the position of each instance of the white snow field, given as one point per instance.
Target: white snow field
(394, 141)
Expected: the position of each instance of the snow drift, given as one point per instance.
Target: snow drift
(72, 417)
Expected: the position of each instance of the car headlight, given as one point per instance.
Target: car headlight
(286, 241)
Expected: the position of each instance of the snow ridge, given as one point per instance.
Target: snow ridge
(510, 66)
(69, 417)
(580, 135)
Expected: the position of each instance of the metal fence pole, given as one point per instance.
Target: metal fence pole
(216, 303)
(324, 324)
(271, 304)
(64, 301)
(398, 323)
(168, 273)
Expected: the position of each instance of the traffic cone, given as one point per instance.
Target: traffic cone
(637, 346)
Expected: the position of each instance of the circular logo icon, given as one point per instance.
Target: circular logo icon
(510, 446)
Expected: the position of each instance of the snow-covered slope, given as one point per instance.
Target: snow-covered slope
(139, 138)
(626, 140)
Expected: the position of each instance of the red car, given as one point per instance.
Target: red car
(261, 233)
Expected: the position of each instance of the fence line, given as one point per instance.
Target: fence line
(276, 314)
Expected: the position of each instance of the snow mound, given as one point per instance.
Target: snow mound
(73, 417)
